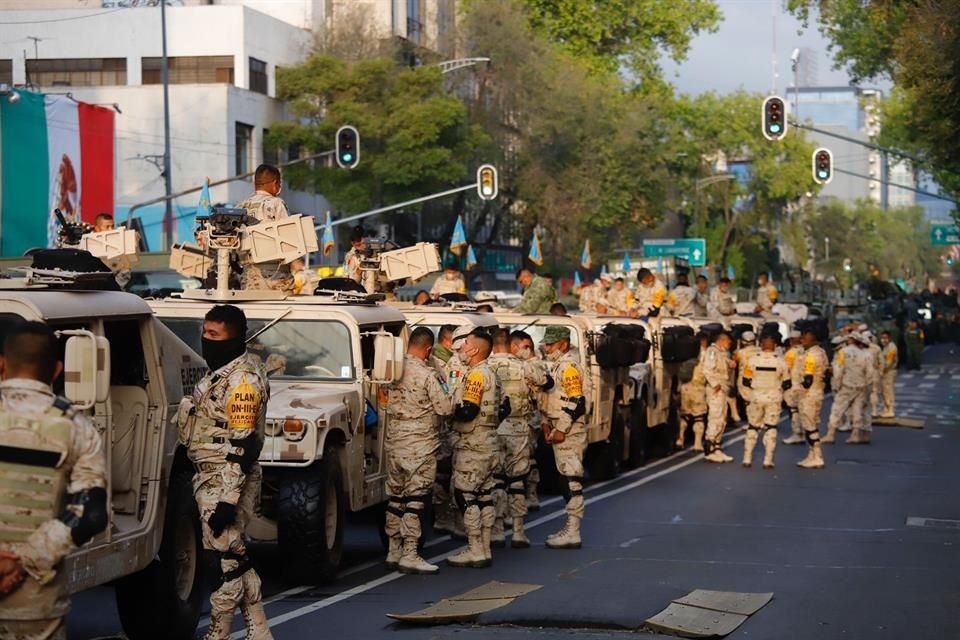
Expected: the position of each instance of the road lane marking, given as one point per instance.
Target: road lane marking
(390, 577)
(629, 543)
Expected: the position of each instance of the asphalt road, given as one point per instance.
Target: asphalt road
(834, 546)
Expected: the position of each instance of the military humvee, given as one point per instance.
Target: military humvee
(328, 359)
(128, 372)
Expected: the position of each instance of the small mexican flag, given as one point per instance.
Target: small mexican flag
(57, 153)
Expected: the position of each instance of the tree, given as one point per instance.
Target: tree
(415, 137)
(916, 44)
(741, 218)
(610, 34)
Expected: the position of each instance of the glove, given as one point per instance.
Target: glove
(807, 382)
(505, 409)
(11, 573)
(546, 386)
(556, 437)
(653, 312)
(222, 517)
(748, 383)
(787, 384)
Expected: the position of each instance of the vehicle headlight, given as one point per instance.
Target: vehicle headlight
(294, 430)
(273, 427)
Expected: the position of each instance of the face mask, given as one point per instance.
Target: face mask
(554, 355)
(524, 353)
(219, 352)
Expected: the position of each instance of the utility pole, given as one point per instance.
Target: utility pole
(36, 46)
(167, 178)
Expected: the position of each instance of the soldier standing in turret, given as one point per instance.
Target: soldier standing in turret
(265, 204)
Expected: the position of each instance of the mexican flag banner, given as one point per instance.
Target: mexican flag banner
(57, 153)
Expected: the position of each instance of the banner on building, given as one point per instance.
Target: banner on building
(57, 153)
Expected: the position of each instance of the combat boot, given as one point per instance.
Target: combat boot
(769, 446)
(749, 444)
(411, 562)
(219, 628)
(698, 436)
(681, 436)
(497, 537)
(568, 537)
(533, 500)
(717, 456)
(859, 436)
(519, 540)
(255, 619)
(814, 459)
(472, 556)
(830, 437)
(394, 552)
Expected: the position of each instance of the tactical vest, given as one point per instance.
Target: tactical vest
(32, 477)
(513, 385)
(766, 377)
(557, 399)
(744, 356)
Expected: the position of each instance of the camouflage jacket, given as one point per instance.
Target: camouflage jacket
(538, 297)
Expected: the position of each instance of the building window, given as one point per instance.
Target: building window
(244, 141)
(77, 72)
(271, 155)
(414, 25)
(258, 76)
(6, 72)
(190, 70)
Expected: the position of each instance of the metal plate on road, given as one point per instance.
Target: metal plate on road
(695, 622)
(944, 233)
(693, 249)
(935, 523)
(746, 604)
(910, 423)
(467, 606)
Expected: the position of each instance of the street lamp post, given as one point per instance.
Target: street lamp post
(167, 178)
(826, 247)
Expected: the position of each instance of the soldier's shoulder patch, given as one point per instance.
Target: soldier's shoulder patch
(572, 381)
(473, 386)
(243, 405)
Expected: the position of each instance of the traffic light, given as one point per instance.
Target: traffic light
(487, 182)
(348, 147)
(950, 260)
(822, 166)
(774, 116)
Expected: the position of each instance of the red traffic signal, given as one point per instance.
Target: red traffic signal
(774, 118)
(822, 166)
(347, 147)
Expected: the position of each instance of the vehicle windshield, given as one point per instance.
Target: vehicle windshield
(290, 349)
(141, 281)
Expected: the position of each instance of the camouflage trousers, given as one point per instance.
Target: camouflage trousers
(809, 407)
(792, 399)
(475, 458)
(240, 584)
(716, 419)
(533, 476)
(888, 388)
(50, 629)
(514, 438)
(693, 408)
(265, 277)
(569, 457)
(763, 414)
(411, 456)
(849, 401)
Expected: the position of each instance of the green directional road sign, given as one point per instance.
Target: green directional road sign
(944, 233)
(693, 249)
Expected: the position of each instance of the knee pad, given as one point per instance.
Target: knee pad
(569, 492)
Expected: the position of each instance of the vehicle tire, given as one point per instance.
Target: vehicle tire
(637, 455)
(603, 458)
(163, 601)
(310, 519)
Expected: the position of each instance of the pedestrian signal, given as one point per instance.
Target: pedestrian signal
(487, 182)
(348, 147)
(774, 117)
(822, 166)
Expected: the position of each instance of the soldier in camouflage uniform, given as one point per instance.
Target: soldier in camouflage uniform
(521, 345)
(813, 382)
(221, 427)
(888, 374)
(794, 359)
(538, 293)
(68, 477)
(476, 453)
(518, 380)
(351, 262)
(681, 301)
(650, 295)
(767, 376)
(564, 407)
(593, 298)
(693, 399)
(701, 301)
(723, 302)
(417, 404)
(766, 296)
(619, 298)
(717, 365)
(265, 204)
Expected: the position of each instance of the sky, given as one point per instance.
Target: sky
(739, 54)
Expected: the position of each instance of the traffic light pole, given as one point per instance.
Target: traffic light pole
(895, 185)
(869, 145)
(400, 205)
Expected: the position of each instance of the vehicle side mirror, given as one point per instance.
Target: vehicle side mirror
(86, 368)
(388, 355)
